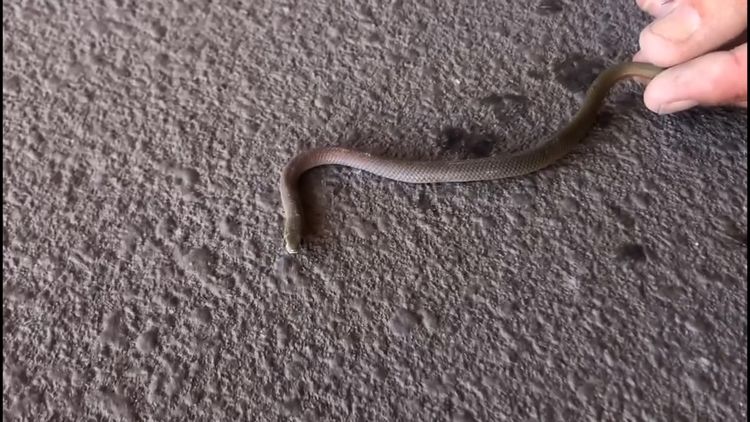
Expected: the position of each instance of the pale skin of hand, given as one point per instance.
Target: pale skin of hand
(685, 36)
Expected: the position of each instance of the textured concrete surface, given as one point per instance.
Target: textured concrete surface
(144, 271)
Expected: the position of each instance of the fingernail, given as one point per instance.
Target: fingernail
(678, 25)
(676, 106)
(657, 8)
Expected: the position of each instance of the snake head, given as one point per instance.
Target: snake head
(292, 242)
(292, 235)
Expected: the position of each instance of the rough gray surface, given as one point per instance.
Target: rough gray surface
(144, 270)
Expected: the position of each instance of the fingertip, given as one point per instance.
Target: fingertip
(718, 78)
(656, 50)
(651, 100)
(638, 57)
(656, 8)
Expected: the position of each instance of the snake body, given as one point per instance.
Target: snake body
(470, 170)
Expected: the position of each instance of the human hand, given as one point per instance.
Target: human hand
(685, 35)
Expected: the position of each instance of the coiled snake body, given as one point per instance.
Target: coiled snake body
(490, 168)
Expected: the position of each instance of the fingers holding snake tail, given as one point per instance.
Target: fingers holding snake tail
(718, 78)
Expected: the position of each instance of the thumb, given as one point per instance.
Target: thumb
(718, 78)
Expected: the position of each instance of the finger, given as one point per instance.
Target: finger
(692, 28)
(718, 78)
(657, 8)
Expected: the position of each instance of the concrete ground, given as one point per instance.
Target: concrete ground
(145, 277)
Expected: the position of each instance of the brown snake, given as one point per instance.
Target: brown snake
(490, 168)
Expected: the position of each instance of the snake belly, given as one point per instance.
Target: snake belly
(452, 171)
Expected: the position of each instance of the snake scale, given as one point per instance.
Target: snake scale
(490, 168)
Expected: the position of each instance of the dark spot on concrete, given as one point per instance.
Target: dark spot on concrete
(733, 232)
(627, 101)
(604, 118)
(481, 148)
(632, 252)
(492, 100)
(577, 72)
(549, 7)
(474, 145)
(535, 74)
(424, 203)
(742, 238)
(453, 138)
